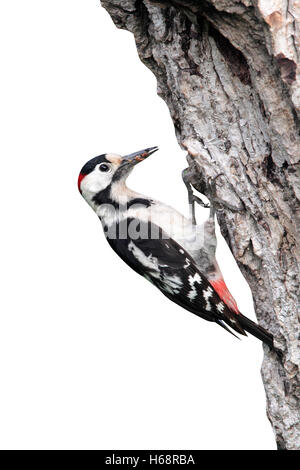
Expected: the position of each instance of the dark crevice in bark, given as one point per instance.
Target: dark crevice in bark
(186, 37)
(234, 58)
(142, 15)
(287, 68)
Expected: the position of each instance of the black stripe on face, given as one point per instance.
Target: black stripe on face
(139, 202)
(90, 165)
(103, 197)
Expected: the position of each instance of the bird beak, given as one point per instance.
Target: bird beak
(137, 157)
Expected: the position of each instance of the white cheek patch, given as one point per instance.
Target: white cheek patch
(94, 182)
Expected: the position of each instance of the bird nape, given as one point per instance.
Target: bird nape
(160, 244)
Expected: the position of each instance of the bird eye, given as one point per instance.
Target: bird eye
(104, 167)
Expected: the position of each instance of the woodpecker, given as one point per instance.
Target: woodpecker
(169, 250)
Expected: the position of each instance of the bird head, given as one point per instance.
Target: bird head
(101, 172)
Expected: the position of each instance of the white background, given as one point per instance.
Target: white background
(92, 356)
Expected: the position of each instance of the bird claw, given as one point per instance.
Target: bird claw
(209, 188)
(219, 203)
(192, 198)
(212, 184)
(199, 201)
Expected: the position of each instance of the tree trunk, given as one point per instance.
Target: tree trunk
(228, 71)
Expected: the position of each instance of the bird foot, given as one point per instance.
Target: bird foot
(212, 195)
(192, 198)
(209, 188)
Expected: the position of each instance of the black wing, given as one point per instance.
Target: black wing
(170, 268)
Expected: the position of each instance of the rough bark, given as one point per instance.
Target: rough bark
(228, 71)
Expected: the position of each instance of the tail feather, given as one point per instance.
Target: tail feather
(223, 325)
(259, 332)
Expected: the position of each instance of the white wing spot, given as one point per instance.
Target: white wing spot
(192, 294)
(220, 307)
(192, 281)
(207, 293)
(195, 278)
(147, 261)
(172, 284)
